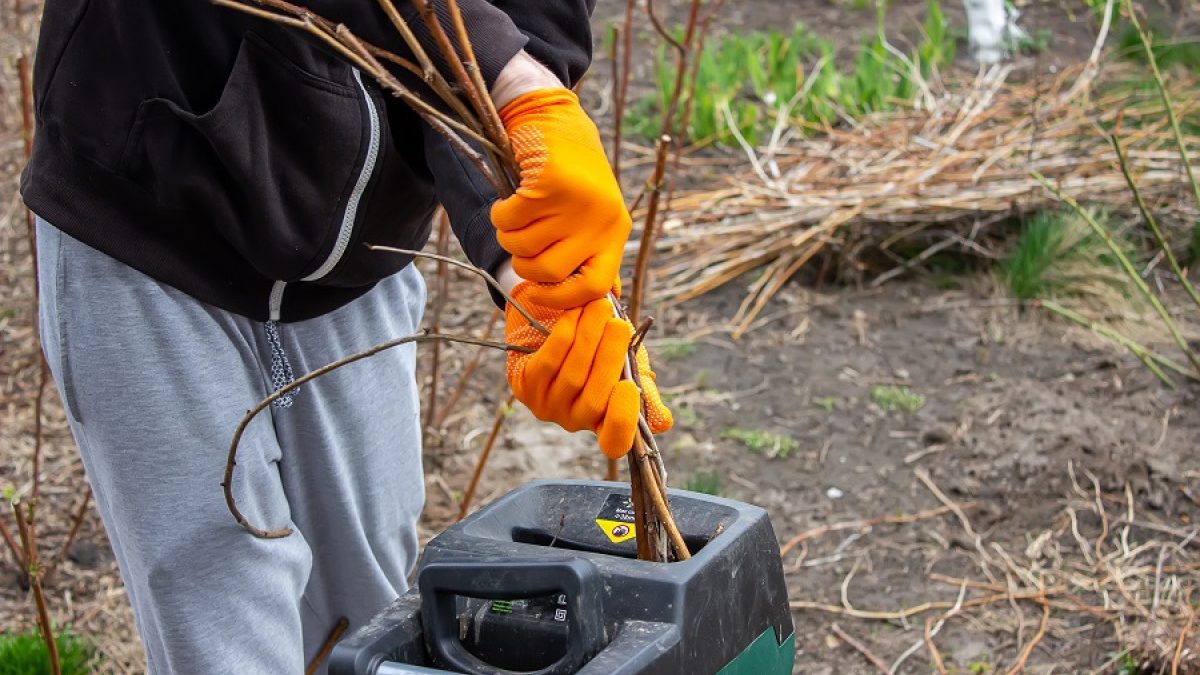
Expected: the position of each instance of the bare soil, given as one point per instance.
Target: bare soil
(1014, 406)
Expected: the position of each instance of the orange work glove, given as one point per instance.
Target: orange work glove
(566, 225)
(574, 377)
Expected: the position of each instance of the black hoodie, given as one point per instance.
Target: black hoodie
(242, 162)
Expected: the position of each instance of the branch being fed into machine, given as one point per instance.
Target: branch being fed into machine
(475, 119)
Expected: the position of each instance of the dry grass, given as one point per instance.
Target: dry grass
(964, 161)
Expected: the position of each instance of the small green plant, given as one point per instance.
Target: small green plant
(893, 398)
(1059, 256)
(676, 349)
(1037, 43)
(828, 403)
(25, 654)
(686, 415)
(1127, 665)
(747, 83)
(704, 482)
(763, 442)
(979, 667)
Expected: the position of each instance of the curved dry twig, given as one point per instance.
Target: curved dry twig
(231, 461)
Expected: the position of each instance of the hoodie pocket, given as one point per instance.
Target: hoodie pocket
(272, 163)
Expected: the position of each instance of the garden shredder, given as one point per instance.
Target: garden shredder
(545, 580)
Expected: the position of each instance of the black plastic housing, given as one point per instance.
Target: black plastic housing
(624, 615)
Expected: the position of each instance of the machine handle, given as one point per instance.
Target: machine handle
(393, 668)
(440, 582)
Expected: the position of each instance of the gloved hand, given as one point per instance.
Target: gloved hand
(566, 225)
(574, 377)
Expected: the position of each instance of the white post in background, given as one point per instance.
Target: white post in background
(992, 29)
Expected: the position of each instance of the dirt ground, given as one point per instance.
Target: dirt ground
(1019, 414)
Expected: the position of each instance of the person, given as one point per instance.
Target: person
(204, 183)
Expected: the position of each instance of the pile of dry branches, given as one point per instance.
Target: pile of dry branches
(965, 159)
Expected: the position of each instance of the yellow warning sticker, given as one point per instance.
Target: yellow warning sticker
(616, 531)
(616, 518)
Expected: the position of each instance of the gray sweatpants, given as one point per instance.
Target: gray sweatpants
(155, 382)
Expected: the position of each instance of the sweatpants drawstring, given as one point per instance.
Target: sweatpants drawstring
(281, 368)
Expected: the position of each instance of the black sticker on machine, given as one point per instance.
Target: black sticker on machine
(616, 519)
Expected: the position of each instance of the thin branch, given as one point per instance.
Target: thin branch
(662, 30)
(1130, 271)
(363, 55)
(1027, 651)
(459, 70)
(491, 118)
(866, 523)
(1187, 628)
(442, 291)
(467, 371)
(76, 522)
(1151, 359)
(231, 461)
(323, 653)
(621, 99)
(614, 37)
(14, 549)
(646, 245)
(681, 132)
(491, 281)
(429, 72)
(862, 649)
(502, 412)
(637, 495)
(1151, 222)
(1180, 142)
(33, 569)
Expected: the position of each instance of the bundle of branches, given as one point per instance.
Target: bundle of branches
(970, 153)
(468, 120)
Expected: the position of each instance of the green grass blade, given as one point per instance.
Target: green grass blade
(1127, 266)
(1148, 46)
(1152, 223)
(1147, 357)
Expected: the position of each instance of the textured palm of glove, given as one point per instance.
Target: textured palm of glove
(566, 225)
(574, 377)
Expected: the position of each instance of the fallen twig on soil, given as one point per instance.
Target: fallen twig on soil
(865, 524)
(862, 649)
(1078, 570)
